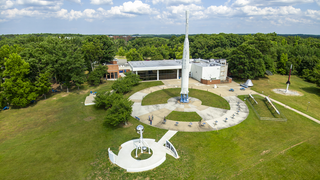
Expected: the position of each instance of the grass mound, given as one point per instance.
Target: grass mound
(184, 116)
(207, 98)
(141, 156)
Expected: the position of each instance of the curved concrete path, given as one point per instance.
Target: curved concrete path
(126, 161)
(214, 118)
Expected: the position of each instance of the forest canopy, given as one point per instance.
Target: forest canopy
(31, 63)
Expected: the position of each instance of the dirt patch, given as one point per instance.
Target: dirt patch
(125, 126)
(265, 152)
(289, 93)
(90, 118)
(84, 91)
(55, 86)
(54, 98)
(64, 95)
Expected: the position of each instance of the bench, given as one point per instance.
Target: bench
(226, 120)
(5, 108)
(190, 124)
(137, 118)
(177, 123)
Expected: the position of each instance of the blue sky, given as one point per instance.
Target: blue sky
(159, 16)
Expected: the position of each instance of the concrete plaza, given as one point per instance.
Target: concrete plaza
(212, 118)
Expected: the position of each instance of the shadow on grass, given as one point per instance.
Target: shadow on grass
(312, 90)
(167, 91)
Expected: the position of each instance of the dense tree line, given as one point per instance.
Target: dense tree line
(249, 56)
(30, 64)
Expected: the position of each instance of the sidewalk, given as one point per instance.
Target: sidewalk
(288, 107)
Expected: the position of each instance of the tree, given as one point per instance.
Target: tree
(316, 72)
(133, 55)
(42, 84)
(92, 52)
(96, 75)
(17, 89)
(107, 99)
(132, 78)
(121, 51)
(246, 62)
(5, 51)
(3, 100)
(119, 112)
(125, 84)
(282, 64)
(71, 66)
(108, 48)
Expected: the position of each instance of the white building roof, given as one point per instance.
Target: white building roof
(155, 65)
(211, 64)
(169, 64)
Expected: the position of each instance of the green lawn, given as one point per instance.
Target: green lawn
(184, 116)
(311, 93)
(55, 139)
(263, 108)
(207, 98)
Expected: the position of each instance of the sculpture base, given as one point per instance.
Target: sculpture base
(184, 98)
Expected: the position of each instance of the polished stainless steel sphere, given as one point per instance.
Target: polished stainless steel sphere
(139, 128)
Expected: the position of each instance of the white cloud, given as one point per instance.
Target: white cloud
(100, 2)
(114, 12)
(129, 9)
(318, 2)
(34, 4)
(90, 13)
(12, 13)
(76, 1)
(176, 2)
(255, 11)
(251, 11)
(220, 10)
(64, 14)
(6, 4)
(269, 2)
(176, 14)
(314, 14)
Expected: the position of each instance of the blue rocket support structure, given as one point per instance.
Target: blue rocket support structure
(185, 66)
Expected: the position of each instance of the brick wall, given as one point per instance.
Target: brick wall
(217, 81)
(229, 79)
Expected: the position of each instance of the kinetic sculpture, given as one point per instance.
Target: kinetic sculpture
(269, 101)
(142, 145)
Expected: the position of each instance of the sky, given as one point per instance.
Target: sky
(159, 16)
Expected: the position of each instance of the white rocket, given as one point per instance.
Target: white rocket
(185, 65)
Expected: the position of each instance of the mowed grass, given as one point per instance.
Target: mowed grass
(184, 116)
(207, 98)
(263, 108)
(311, 93)
(54, 139)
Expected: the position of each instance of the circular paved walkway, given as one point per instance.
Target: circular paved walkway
(214, 118)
